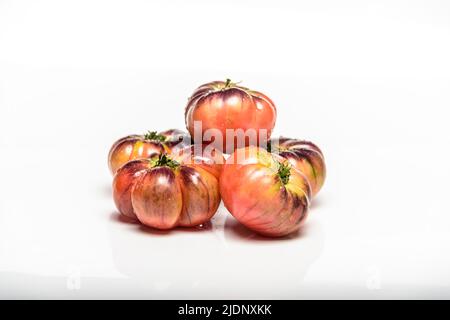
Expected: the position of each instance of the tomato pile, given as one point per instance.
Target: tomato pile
(171, 178)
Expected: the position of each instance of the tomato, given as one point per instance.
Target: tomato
(144, 146)
(163, 193)
(304, 156)
(225, 105)
(210, 159)
(265, 192)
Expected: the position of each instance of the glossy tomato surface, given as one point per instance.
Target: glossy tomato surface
(163, 193)
(145, 146)
(264, 192)
(305, 156)
(204, 156)
(225, 105)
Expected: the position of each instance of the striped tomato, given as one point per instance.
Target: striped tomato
(265, 192)
(226, 106)
(144, 146)
(163, 192)
(304, 156)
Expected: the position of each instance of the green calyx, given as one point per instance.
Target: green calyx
(228, 83)
(154, 136)
(284, 172)
(164, 161)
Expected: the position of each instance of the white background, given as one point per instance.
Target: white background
(367, 81)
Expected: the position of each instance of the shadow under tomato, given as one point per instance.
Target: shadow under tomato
(236, 229)
(106, 190)
(117, 217)
(202, 228)
(316, 203)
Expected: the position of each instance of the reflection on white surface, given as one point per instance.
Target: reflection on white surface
(214, 260)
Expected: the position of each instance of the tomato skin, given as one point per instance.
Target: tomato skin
(123, 183)
(156, 198)
(256, 196)
(225, 105)
(141, 146)
(209, 159)
(164, 196)
(131, 148)
(304, 156)
(201, 196)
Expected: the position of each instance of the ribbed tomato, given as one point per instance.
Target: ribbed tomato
(265, 192)
(144, 146)
(305, 156)
(225, 105)
(163, 193)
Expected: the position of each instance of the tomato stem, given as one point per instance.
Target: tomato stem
(164, 160)
(153, 135)
(284, 172)
(228, 83)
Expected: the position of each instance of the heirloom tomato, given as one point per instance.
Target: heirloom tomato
(144, 146)
(226, 106)
(164, 191)
(304, 156)
(265, 192)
